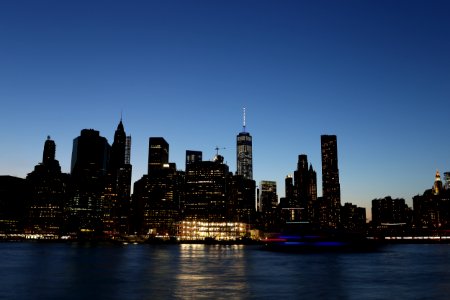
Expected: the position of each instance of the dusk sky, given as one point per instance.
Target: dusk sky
(374, 73)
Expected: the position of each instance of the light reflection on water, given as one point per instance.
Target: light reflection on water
(191, 271)
(211, 271)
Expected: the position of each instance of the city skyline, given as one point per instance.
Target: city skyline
(374, 75)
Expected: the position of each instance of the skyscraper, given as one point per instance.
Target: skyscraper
(156, 196)
(117, 193)
(158, 153)
(437, 187)
(193, 157)
(90, 158)
(289, 190)
(244, 153)
(447, 180)
(301, 181)
(48, 194)
(90, 154)
(49, 151)
(206, 190)
(331, 190)
(305, 188)
(118, 148)
(268, 196)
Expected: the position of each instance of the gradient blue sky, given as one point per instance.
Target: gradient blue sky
(375, 73)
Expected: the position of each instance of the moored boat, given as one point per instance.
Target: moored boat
(320, 241)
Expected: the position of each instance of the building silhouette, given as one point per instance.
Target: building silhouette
(49, 190)
(432, 208)
(193, 157)
(244, 153)
(14, 197)
(206, 190)
(243, 187)
(117, 195)
(268, 206)
(158, 153)
(353, 218)
(447, 180)
(242, 199)
(390, 216)
(268, 197)
(289, 191)
(89, 170)
(157, 195)
(329, 211)
(305, 189)
(217, 204)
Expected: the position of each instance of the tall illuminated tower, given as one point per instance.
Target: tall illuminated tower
(244, 153)
(331, 190)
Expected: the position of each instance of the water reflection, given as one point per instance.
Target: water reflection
(211, 271)
(64, 271)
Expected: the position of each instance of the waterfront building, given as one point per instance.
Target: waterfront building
(155, 200)
(242, 199)
(390, 212)
(117, 195)
(156, 197)
(208, 205)
(48, 195)
(290, 211)
(353, 218)
(331, 191)
(213, 196)
(206, 196)
(244, 153)
(14, 195)
(89, 169)
(270, 218)
(198, 230)
(432, 208)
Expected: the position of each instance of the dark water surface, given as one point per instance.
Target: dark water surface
(69, 271)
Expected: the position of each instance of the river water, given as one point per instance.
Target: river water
(191, 271)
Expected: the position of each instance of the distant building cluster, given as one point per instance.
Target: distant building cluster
(205, 201)
(430, 214)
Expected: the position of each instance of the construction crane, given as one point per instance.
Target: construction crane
(219, 148)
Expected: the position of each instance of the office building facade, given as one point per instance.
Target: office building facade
(331, 190)
(244, 153)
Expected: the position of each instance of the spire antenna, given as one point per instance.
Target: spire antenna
(243, 123)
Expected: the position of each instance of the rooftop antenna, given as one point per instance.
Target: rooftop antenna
(244, 120)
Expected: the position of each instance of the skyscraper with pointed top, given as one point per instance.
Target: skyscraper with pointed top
(305, 188)
(118, 193)
(117, 159)
(244, 153)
